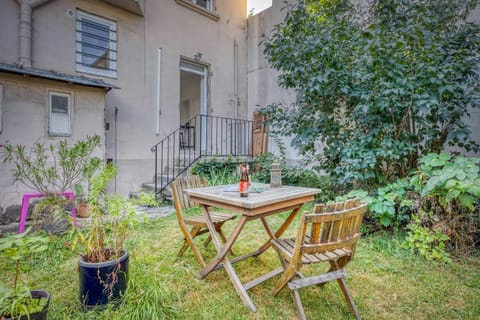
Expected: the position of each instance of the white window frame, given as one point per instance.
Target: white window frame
(51, 131)
(112, 25)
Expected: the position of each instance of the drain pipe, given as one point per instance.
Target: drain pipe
(25, 38)
(115, 152)
(235, 80)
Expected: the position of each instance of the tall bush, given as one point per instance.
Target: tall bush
(379, 85)
(55, 168)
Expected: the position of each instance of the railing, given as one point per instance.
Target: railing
(201, 136)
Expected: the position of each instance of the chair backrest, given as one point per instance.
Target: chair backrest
(330, 227)
(181, 199)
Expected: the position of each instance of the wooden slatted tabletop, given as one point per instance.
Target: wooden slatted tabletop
(261, 198)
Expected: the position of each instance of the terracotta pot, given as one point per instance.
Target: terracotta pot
(83, 210)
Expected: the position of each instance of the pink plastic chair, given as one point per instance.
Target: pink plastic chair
(26, 202)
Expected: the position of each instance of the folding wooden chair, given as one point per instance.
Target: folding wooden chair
(329, 234)
(198, 222)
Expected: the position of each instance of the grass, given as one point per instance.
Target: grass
(386, 281)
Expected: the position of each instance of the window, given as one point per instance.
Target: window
(96, 45)
(204, 7)
(59, 110)
(207, 4)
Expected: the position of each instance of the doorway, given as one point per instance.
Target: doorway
(193, 101)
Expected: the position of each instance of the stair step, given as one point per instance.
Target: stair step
(165, 194)
(148, 186)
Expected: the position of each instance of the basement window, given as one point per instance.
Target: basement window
(59, 114)
(96, 45)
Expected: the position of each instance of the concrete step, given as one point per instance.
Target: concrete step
(165, 195)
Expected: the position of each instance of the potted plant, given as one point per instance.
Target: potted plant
(81, 202)
(103, 263)
(17, 301)
(52, 170)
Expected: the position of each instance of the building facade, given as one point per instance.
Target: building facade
(129, 70)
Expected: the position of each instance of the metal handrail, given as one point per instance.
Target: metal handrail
(202, 135)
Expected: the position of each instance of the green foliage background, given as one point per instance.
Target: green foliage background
(378, 85)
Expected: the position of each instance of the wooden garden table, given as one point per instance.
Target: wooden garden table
(258, 205)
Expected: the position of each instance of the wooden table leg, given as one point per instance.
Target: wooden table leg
(222, 251)
(267, 244)
(279, 232)
(222, 257)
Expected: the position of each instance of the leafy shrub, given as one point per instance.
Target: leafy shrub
(55, 168)
(449, 189)
(16, 249)
(146, 199)
(217, 172)
(388, 205)
(293, 176)
(445, 187)
(379, 84)
(452, 182)
(429, 243)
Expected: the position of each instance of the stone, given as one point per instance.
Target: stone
(11, 214)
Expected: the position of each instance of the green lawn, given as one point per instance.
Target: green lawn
(386, 282)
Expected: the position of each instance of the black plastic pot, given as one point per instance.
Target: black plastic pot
(41, 315)
(104, 282)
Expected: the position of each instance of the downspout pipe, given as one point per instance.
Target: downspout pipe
(25, 35)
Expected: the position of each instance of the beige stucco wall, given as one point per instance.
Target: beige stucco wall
(263, 88)
(25, 120)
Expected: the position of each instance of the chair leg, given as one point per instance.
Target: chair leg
(198, 255)
(298, 304)
(191, 243)
(348, 297)
(336, 265)
(286, 277)
(207, 241)
(218, 228)
(185, 245)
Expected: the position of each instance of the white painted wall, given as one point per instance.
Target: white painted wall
(25, 121)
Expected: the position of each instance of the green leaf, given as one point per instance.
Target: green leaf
(453, 194)
(467, 201)
(385, 221)
(437, 163)
(377, 207)
(444, 156)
